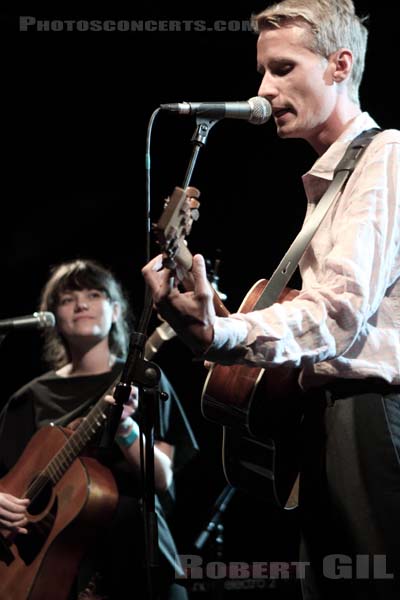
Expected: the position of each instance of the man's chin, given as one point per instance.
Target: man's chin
(285, 133)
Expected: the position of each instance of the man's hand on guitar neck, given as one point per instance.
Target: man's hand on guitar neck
(191, 314)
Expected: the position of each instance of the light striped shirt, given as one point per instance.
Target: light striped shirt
(346, 320)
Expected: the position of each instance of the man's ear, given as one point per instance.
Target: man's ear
(342, 64)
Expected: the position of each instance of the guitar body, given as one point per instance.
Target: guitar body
(260, 411)
(64, 520)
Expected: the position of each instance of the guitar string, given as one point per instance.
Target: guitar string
(67, 454)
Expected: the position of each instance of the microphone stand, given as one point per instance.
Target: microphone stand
(215, 531)
(146, 376)
(219, 508)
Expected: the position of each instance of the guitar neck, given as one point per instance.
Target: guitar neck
(219, 306)
(186, 261)
(161, 334)
(172, 228)
(92, 423)
(76, 443)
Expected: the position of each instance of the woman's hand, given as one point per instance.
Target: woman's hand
(13, 513)
(130, 407)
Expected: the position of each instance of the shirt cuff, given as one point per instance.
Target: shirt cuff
(228, 343)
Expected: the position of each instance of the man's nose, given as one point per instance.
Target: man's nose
(268, 88)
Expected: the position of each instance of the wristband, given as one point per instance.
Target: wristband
(127, 440)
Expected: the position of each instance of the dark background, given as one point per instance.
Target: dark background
(76, 107)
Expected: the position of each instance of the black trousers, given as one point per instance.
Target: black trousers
(350, 492)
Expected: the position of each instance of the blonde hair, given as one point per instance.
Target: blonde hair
(333, 24)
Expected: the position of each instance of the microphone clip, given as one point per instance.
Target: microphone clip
(202, 130)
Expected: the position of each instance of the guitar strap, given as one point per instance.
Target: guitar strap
(289, 263)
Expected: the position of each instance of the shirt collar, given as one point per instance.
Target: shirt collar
(324, 167)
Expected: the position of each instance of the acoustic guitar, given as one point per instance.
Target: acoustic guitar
(72, 498)
(260, 411)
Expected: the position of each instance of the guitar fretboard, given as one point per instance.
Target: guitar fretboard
(89, 426)
(78, 441)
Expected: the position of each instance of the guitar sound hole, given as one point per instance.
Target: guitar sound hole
(40, 500)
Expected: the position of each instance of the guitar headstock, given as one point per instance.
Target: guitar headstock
(174, 225)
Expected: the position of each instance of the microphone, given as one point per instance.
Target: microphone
(39, 320)
(256, 110)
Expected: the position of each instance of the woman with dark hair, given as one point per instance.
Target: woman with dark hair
(86, 351)
(80, 275)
